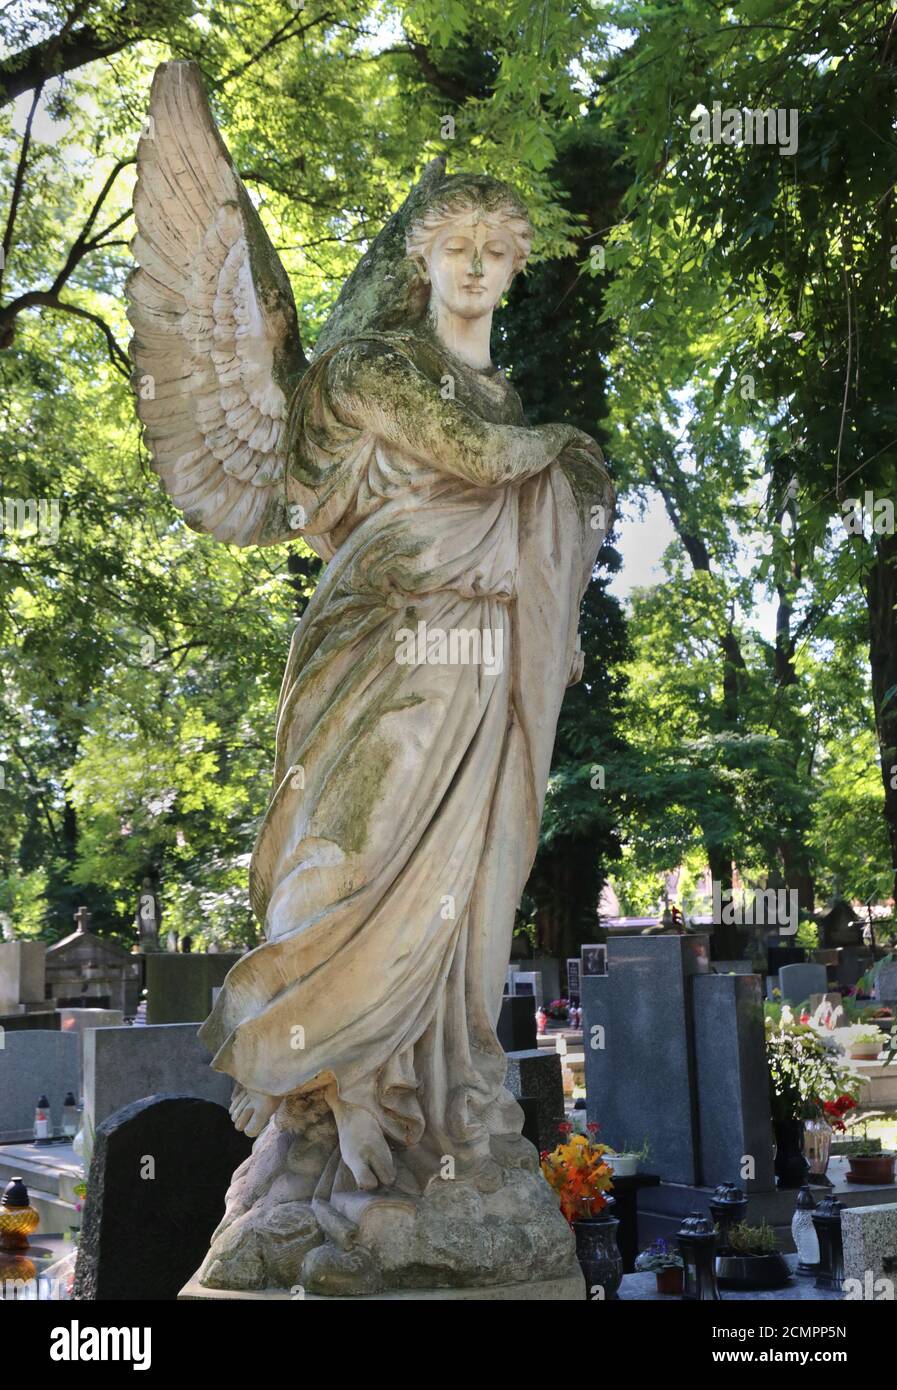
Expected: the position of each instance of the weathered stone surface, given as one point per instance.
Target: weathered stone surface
(409, 780)
(155, 1191)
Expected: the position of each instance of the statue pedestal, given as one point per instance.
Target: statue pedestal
(566, 1288)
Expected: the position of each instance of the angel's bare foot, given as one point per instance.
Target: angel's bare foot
(362, 1145)
(251, 1110)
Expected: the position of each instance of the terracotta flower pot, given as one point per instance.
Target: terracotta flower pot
(669, 1280)
(871, 1168)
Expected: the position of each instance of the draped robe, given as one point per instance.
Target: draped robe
(407, 794)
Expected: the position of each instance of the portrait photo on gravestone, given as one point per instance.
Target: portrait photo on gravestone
(448, 741)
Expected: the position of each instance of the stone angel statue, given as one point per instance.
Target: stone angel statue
(416, 718)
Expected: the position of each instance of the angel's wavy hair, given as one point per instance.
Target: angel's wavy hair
(487, 199)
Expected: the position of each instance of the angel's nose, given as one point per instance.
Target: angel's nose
(476, 265)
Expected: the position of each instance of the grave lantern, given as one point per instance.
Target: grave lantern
(697, 1246)
(827, 1221)
(728, 1206)
(43, 1128)
(18, 1217)
(806, 1241)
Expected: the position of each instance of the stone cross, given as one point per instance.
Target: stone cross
(82, 919)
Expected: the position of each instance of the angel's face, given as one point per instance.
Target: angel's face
(469, 266)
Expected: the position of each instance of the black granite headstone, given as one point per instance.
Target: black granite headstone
(158, 1178)
(516, 1026)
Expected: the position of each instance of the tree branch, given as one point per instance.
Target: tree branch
(18, 184)
(32, 67)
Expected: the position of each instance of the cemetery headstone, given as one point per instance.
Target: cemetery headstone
(870, 1251)
(797, 982)
(179, 986)
(732, 1081)
(537, 1074)
(574, 986)
(32, 1063)
(516, 1027)
(854, 961)
(158, 1178)
(529, 984)
(639, 1048)
(886, 981)
(550, 971)
(122, 1065)
(22, 974)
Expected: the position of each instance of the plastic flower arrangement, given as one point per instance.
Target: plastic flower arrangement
(577, 1172)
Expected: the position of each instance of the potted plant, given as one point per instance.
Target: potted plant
(865, 1042)
(625, 1161)
(751, 1259)
(869, 1163)
(664, 1261)
(577, 1172)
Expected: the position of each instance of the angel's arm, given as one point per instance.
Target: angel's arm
(374, 387)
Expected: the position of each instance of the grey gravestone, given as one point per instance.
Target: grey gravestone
(732, 1081)
(639, 1052)
(22, 973)
(122, 1065)
(34, 1063)
(853, 962)
(798, 982)
(537, 1074)
(870, 1248)
(158, 1178)
(516, 1026)
(550, 970)
(574, 978)
(179, 986)
(886, 982)
(529, 984)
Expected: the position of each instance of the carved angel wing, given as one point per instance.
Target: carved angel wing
(216, 345)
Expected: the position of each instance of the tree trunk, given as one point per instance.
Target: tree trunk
(881, 596)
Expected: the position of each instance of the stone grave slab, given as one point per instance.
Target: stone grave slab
(516, 1027)
(536, 1073)
(32, 1063)
(732, 1081)
(639, 1049)
(142, 1236)
(870, 1248)
(179, 985)
(22, 973)
(797, 982)
(886, 982)
(122, 1065)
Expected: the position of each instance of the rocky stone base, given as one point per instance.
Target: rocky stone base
(499, 1225)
